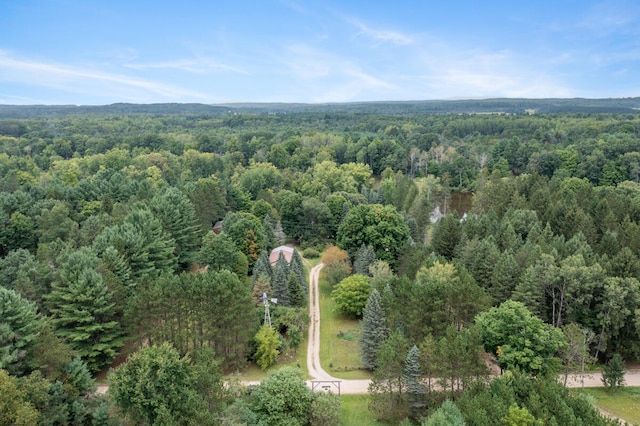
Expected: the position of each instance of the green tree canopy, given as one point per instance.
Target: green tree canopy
(154, 387)
(380, 227)
(519, 339)
(351, 295)
(283, 399)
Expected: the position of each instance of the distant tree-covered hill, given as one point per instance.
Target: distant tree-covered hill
(465, 106)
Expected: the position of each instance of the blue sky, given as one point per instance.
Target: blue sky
(100, 52)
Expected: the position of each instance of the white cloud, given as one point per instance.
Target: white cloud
(87, 80)
(381, 35)
(196, 66)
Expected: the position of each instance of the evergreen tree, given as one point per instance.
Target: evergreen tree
(365, 257)
(374, 330)
(280, 282)
(415, 389)
(296, 298)
(262, 266)
(177, 215)
(83, 311)
(613, 373)
(115, 263)
(388, 388)
(19, 327)
(297, 268)
(505, 276)
(446, 235)
(141, 242)
(447, 415)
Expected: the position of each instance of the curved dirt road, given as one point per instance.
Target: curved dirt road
(316, 372)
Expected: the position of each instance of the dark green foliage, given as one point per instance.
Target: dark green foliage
(141, 242)
(296, 297)
(193, 310)
(154, 387)
(77, 375)
(374, 330)
(218, 252)
(415, 389)
(388, 398)
(283, 399)
(289, 206)
(280, 281)
(19, 329)
(380, 227)
(311, 253)
(209, 200)
(446, 235)
(325, 409)
(486, 403)
(519, 339)
(83, 310)
(262, 266)
(177, 215)
(297, 268)
(613, 373)
(365, 257)
(459, 358)
(441, 295)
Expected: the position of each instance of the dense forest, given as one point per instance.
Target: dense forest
(107, 248)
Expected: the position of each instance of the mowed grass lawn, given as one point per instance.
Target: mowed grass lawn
(355, 411)
(339, 353)
(624, 403)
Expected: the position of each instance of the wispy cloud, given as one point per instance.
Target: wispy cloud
(381, 35)
(86, 80)
(196, 66)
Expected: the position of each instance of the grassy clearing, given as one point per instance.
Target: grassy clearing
(339, 353)
(624, 403)
(355, 411)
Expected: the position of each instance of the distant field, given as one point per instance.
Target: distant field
(624, 404)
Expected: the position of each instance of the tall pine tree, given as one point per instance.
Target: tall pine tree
(296, 298)
(374, 330)
(19, 327)
(415, 389)
(177, 215)
(296, 267)
(280, 282)
(83, 312)
(262, 266)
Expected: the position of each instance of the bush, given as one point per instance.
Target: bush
(311, 253)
